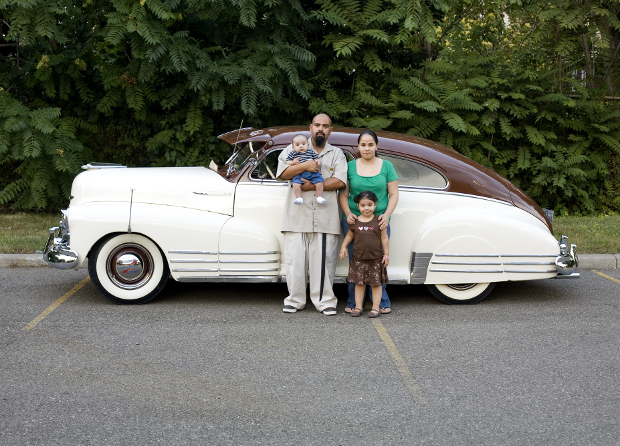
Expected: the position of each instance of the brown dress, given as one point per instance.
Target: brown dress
(366, 267)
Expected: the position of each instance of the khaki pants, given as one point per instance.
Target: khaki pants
(302, 256)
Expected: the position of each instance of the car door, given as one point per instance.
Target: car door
(260, 197)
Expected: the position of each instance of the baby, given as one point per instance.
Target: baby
(300, 154)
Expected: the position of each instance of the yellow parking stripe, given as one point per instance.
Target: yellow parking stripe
(56, 304)
(606, 276)
(401, 365)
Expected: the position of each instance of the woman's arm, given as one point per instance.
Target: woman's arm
(384, 219)
(343, 199)
(385, 242)
(347, 239)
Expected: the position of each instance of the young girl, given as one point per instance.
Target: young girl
(371, 250)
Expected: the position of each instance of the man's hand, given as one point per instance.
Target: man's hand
(311, 165)
(307, 186)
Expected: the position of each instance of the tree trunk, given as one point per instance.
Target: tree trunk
(589, 68)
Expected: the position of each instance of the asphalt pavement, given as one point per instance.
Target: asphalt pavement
(534, 363)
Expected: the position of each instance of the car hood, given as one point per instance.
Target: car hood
(190, 187)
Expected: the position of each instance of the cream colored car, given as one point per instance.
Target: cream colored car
(459, 227)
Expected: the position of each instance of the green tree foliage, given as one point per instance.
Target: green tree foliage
(528, 88)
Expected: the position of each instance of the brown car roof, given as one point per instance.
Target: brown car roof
(464, 175)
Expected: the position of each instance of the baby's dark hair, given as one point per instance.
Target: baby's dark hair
(365, 194)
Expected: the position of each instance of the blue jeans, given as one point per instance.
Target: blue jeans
(385, 300)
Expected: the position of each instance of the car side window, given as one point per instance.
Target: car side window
(348, 155)
(266, 169)
(415, 174)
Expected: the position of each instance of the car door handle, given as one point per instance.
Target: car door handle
(212, 193)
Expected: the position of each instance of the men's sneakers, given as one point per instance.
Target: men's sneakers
(330, 311)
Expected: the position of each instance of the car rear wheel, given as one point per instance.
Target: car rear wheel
(461, 293)
(127, 268)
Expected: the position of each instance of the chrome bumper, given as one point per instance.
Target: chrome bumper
(567, 262)
(57, 252)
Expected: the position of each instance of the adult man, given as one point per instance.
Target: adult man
(311, 230)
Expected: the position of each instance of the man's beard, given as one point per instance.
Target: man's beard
(319, 140)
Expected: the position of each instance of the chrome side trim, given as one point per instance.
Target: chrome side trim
(192, 261)
(529, 255)
(248, 261)
(259, 270)
(467, 255)
(213, 193)
(262, 279)
(237, 253)
(194, 270)
(419, 267)
(246, 279)
(441, 262)
(464, 271)
(189, 251)
(529, 263)
(524, 271)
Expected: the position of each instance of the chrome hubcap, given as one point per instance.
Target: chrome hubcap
(129, 266)
(462, 286)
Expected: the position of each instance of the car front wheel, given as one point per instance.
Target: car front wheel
(127, 268)
(461, 293)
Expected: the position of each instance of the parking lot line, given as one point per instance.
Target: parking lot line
(606, 276)
(401, 365)
(55, 305)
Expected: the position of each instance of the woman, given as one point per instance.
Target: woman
(376, 175)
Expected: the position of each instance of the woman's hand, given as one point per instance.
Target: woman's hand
(383, 221)
(351, 217)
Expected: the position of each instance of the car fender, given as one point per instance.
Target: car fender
(183, 234)
(484, 244)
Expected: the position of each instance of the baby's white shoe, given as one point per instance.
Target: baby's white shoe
(320, 200)
(298, 200)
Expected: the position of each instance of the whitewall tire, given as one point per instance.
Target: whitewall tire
(461, 293)
(127, 268)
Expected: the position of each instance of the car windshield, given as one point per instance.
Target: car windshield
(243, 154)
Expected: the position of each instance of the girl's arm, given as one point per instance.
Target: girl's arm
(347, 239)
(343, 199)
(385, 242)
(384, 219)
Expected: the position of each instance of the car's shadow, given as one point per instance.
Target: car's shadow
(523, 293)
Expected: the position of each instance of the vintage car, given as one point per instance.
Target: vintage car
(459, 228)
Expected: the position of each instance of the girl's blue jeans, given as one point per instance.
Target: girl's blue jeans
(385, 300)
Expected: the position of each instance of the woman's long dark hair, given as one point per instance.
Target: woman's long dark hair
(365, 194)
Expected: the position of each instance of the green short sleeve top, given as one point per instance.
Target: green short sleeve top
(376, 184)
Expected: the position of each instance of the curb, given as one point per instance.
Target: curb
(586, 261)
